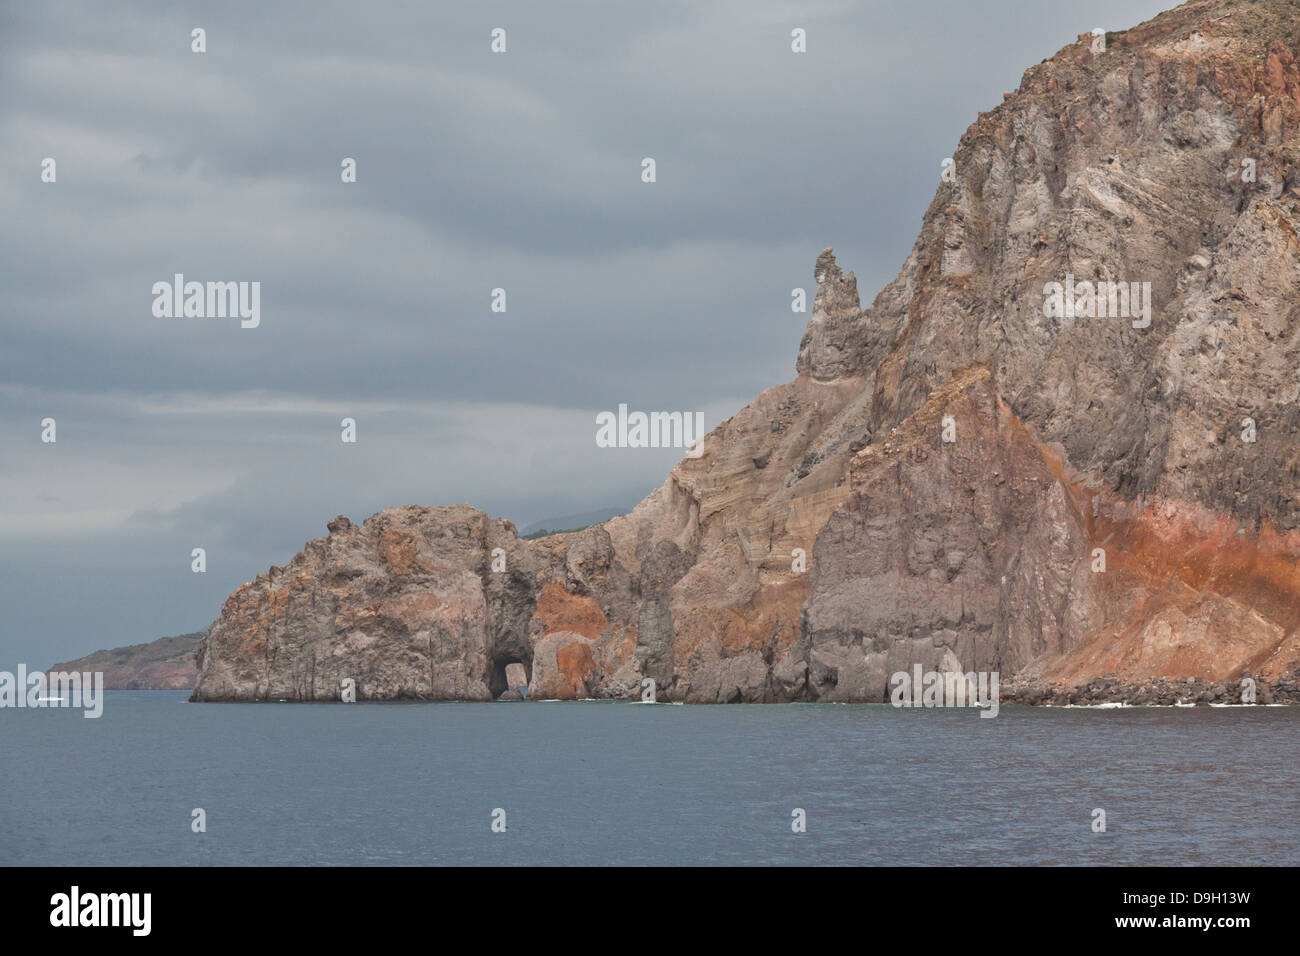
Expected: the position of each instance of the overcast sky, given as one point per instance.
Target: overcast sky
(475, 171)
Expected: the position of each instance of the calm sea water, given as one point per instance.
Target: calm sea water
(603, 783)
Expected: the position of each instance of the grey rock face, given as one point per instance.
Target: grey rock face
(961, 555)
(834, 343)
(405, 605)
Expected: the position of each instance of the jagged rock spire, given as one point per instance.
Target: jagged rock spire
(833, 343)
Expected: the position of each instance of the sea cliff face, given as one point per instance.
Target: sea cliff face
(977, 472)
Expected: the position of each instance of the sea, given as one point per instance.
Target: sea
(157, 780)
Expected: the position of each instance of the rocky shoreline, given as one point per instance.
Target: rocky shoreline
(1030, 692)
(1154, 692)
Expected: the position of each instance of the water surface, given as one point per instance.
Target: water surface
(605, 782)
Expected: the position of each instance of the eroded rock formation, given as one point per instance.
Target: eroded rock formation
(1096, 513)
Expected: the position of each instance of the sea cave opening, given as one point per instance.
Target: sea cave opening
(499, 684)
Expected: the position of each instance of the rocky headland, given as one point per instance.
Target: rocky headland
(165, 664)
(963, 475)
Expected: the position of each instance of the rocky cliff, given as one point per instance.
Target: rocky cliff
(1063, 443)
